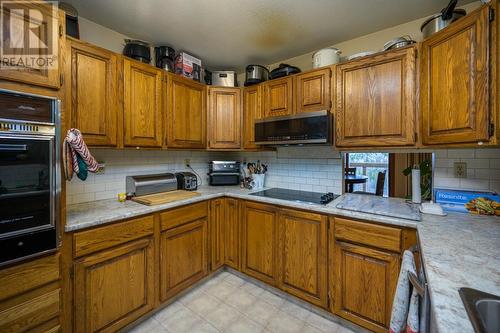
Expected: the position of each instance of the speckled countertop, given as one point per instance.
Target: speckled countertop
(458, 250)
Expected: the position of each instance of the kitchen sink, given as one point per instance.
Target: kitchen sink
(483, 310)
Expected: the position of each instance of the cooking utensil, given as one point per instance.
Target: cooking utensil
(137, 50)
(398, 42)
(441, 20)
(361, 54)
(256, 74)
(326, 57)
(283, 70)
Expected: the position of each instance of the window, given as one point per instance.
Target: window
(369, 164)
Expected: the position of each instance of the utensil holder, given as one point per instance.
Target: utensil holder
(259, 181)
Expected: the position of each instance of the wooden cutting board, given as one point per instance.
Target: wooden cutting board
(164, 197)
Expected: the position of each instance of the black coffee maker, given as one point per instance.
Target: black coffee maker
(165, 56)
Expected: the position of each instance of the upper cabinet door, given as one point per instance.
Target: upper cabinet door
(142, 105)
(376, 100)
(91, 92)
(35, 52)
(454, 95)
(186, 113)
(252, 110)
(313, 91)
(278, 97)
(224, 118)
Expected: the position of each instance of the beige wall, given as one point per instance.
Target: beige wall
(372, 42)
(101, 36)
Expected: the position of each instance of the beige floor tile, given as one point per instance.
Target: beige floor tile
(223, 316)
(252, 289)
(244, 325)
(261, 312)
(168, 311)
(181, 321)
(240, 300)
(310, 329)
(203, 304)
(203, 327)
(221, 290)
(284, 323)
(322, 323)
(234, 280)
(271, 298)
(193, 294)
(295, 310)
(149, 326)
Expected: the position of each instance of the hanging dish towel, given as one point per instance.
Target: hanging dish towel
(77, 157)
(404, 317)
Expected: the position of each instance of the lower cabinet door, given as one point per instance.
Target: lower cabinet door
(232, 233)
(114, 287)
(364, 282)
(303, 255)
(260, 241)
(217, 217)
(183, 257)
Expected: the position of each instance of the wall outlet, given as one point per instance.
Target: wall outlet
(460, 169)
(187, 162)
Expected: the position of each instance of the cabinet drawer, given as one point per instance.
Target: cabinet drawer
(101, 238)
(369, 234)
(179, 216)
(30, 310)
(21, 278)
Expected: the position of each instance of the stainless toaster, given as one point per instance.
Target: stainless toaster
(150, 184)
(186, 181)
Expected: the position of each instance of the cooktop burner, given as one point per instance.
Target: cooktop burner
(299, 196)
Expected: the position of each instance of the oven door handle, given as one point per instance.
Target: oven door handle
(12, 147)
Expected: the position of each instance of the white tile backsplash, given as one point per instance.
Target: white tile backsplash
(308, 168)
(483, 169)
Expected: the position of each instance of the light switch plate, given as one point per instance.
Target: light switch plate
(460, 169)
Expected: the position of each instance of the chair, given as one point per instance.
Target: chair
(350, 171)
(379, 189)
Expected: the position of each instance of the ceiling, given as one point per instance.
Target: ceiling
(228, 34)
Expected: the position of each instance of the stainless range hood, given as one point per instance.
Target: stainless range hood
(307, 128)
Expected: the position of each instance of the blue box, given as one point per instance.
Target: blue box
(454, 200)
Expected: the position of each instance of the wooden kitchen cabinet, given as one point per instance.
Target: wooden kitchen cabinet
(51, 26)
(184, 248)
(303, 255)
(365, 281)
(454, 92)
(142, 105)
(217, 232)
(114, 287)
(91, 92)
(313, 91)
(224, 118)
(232, 233)
(259, 241)
(186, 113)
(30, 296)
(365, 261)
(375, 100)
(252, 110)
(278, 97)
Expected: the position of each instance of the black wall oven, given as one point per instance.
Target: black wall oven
(29, 175)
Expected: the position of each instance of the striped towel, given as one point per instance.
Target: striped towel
(74, 146)
(404, 316)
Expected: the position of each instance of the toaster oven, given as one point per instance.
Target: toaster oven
(224, 173)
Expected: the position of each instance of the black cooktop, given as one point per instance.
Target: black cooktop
(298, 196)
